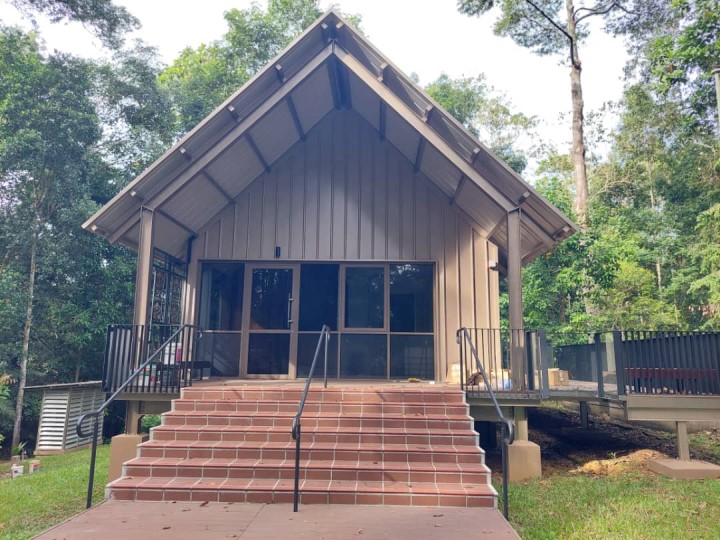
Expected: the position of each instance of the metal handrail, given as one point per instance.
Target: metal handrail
(97, 413)
(508, 429)
(296, 430)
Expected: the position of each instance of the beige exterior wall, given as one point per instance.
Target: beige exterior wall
(345, 195)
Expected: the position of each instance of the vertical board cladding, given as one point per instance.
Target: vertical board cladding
(344, 195)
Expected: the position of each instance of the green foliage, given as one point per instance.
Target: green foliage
(202, 78)
(486, 114)
(107, 21)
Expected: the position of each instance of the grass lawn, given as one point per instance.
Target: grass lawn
(32, 503)
(632, 506)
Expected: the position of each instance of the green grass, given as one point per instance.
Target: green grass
(32, 503)
(635, 506)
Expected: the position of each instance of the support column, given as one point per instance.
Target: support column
(524, 460)
(683, 443)
(514, 280)
(143, 277)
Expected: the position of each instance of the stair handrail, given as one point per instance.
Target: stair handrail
(101, 410)
(296, 429)
(508, 428)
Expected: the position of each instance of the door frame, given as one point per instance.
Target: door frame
(250, 266)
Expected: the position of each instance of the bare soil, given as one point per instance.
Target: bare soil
(607, 448)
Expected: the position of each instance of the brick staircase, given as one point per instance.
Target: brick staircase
(372, 445)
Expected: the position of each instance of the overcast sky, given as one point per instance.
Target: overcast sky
(427, 37)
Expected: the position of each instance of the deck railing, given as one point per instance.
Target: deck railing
(495, 349)
(129, 345)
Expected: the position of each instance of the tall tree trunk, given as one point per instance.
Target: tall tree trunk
(578, 138)
(26, 335)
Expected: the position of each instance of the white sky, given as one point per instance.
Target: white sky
(428, 37)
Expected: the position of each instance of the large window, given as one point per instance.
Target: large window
(168, 280)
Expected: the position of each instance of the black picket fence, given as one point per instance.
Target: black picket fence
(606, 364)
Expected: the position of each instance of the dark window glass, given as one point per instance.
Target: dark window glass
(271, 293)
(221, 296)
(411, 356)
(307, 343)
(220, 353)
(269, 354)
(411, 298)
(364, 297)
(363, 356)
(318, 296)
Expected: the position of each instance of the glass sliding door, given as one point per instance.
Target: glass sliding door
(319, 305)
(363, 345)
(411, 321)
(269, 315)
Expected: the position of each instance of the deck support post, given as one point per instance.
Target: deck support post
(524, 461)
(683, 443)
(514, 281)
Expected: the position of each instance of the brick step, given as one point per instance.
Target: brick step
(261, 434)
(312, 491)
(445, 473)
(254, 393)
(312, 420)
(286, 450)
(312, 407)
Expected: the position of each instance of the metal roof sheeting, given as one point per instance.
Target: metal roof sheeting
(328, 66)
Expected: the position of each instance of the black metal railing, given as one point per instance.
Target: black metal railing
(669, 362)
(613, 364)
(129, 345)
(296, 428)
(496, 350)
(465, 342)
(184, 335)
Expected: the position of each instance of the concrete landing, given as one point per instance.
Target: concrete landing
(189, 521)
(684, 470)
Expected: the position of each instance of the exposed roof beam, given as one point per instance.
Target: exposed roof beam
(280, 74)
(218, 187)
(419, 155)
(336, 84)
(257, 152)
(383, 120)
(423, 129)
(177, 223)
(296, 118)
(216, 150)
(458, 189)
(233, 113)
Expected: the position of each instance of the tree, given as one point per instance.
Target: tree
(533, 24)
(106, 20)
(47, 123)
(486, 114)
(202, 78)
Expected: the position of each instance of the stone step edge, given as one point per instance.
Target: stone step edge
(389, 466)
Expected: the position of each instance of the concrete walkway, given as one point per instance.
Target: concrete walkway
(209, 521)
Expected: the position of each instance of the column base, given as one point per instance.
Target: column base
(122, 448)
(524, 461)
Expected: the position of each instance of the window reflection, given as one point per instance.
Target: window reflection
(364, 297)
(411, 298)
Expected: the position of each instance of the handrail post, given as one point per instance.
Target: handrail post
(505, 460)
(327, 341)
(296, 495)
(93, 454)
(508, 430)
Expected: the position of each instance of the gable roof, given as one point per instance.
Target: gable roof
(329, 66)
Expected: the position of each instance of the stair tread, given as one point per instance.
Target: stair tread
(314, 446)
(263, 484)
(316, 430)
(309, 464)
